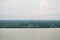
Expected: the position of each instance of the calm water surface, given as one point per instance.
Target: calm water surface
(30, 34)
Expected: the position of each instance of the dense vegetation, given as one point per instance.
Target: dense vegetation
(30, 24)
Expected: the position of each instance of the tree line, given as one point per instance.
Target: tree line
(31, 25)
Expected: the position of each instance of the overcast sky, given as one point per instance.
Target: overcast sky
(29, 9)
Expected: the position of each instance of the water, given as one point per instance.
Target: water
(30, 34)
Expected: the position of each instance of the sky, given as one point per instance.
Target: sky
(29, 9)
